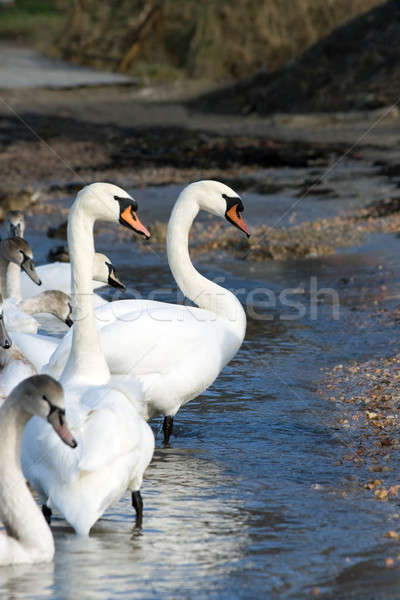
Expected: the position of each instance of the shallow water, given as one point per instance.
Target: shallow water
(248, 502)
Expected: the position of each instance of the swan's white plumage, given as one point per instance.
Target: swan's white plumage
(17, 320)
(37, 348)
(174, 346)
(54, 276)
(111, 437)
(14, 367)
(13, 373)
(115, 444)
(175, 351)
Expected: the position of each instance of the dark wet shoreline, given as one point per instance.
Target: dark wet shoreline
(60, 154)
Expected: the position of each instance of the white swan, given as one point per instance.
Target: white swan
(175, 351)
(39, 348)
(14, 367)
(57, 275)
(28, 538)
(115, 442)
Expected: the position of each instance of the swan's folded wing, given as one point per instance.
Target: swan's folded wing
(159, 340)
(17, 320)
(109, 428)
(138, 321)
(153, 338)
(15, 372)
(108, 434)
(58, 359)
(105, 429)
(45, 457)
(36, 348)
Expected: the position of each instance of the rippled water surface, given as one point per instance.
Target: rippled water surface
(247, 502)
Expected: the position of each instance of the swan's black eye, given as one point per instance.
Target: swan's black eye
(45, 398)
(25, 257)
(124, 203)
(233, 201)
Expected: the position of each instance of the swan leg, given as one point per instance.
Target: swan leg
(47, 513)
(137, 504)
(167, 428)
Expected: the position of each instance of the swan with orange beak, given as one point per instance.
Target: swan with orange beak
(128, 216)
(175, 351)
(233, 213)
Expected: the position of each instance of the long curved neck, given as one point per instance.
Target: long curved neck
(203, 292)
(86, 362)
(13, 281)
(18, 510)
(10, 279)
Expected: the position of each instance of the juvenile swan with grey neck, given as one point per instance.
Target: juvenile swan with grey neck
(57, 276)
(28, 538)
(16, 254)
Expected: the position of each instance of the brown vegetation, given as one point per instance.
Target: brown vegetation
(211, 39)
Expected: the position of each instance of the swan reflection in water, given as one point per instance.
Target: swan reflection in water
(27, 581)
(194, 530)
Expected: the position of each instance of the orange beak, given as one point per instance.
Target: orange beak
(130, 219)
(234, 216)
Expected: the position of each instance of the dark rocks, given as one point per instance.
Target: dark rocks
(58, 254)
(59, 232)
(383, 208)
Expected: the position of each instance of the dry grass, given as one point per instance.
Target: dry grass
(355, 68)
(212, 39)
(235, 39)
